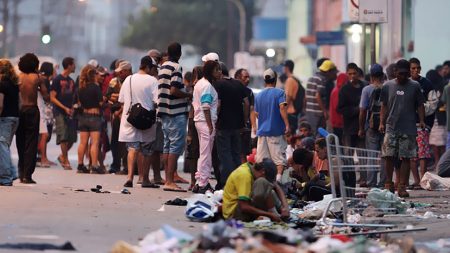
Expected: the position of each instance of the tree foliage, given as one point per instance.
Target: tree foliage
(202, 23)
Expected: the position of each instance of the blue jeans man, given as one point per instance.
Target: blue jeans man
(8, 172)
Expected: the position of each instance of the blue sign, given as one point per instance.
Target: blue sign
(330, 38)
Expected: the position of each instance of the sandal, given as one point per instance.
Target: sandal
(415, 187)
(149, 185)
(174, 189)
(158, 182)
(128, 184)
(176, 202)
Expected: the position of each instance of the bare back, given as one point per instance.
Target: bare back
(29, 86)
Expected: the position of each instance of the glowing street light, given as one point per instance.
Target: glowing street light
(46, 39)
(270, 52)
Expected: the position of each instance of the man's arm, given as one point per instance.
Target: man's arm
(321, 105)
(382, 118)
(246, 108)
(291, 91)
(174, 91)
(362, 121)
(247, 208)
(284, 205)
(56, 102)
(284, 116)
(421, 111)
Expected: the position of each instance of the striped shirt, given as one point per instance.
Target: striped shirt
(170, 75)
(315, 84)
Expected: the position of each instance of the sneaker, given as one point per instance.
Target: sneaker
(97, 170)
(82, 169)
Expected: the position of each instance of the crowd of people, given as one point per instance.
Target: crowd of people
(210, 118)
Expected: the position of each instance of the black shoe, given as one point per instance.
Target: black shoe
(6, 184)
(204, 189)
(128, 184)
(97, 170)
(28, 181)
(196, 188)
(82, 169)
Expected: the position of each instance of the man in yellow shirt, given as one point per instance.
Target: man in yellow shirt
(251, 191)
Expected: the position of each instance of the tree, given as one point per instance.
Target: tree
(202, 23)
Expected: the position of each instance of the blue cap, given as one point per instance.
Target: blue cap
(376, 70)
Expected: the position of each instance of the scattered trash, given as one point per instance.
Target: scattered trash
(202, 207)
(38, 246)
(177, 202)
(125, 191)
(429, 214)
(80, 190)
(434, 182)
(386, 201)
(419, 205)
(123, 247)
(162, 209)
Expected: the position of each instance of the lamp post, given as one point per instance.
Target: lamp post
(242, 23)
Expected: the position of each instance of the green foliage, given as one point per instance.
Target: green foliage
(202, 23)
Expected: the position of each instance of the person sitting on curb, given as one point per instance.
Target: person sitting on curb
(251, 192)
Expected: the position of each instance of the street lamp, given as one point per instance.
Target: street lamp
(270, 52)
(242, 23)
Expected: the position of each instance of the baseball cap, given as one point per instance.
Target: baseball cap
(123, 65)
(269, 74)
(147, 61)
(93, 62)
(210, 57)
(376, 70)
(402, 66)
(327, 65)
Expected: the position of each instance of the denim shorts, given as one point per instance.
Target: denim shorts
(399, 145)
(174, 129)
(90, 123)
(146, 148)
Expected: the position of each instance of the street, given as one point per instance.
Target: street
(52, 211)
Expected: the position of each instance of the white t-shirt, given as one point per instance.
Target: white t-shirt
(145, 92)
(204, 97)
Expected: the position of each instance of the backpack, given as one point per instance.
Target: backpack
(375, 109)
(431, 103)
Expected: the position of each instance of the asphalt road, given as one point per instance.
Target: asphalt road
(53, 212)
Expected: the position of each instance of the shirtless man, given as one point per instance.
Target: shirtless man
(295, 96)
(28, 130)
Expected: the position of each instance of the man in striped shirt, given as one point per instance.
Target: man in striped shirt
(173, 110)
(316, 111)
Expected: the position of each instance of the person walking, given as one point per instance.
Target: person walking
(273, 124)
(9, 120)
(400, 99)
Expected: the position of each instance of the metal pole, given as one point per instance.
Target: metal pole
(373, 49)
(363, 48)
(242, 23)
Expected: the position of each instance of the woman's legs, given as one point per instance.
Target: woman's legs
(43, 148)
(84, 137)
(94, 150)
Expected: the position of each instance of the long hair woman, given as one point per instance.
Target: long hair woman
(9, 120)
(90, 120)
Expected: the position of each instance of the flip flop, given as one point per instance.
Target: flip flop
(181, 181)
(150, 185)
(177, 189)
(159, 182)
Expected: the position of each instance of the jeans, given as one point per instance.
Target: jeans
(204, 164)
(229, 149)
(174, 128)
(27, 140)
(374, 141)
(118, 149)
(8, 126)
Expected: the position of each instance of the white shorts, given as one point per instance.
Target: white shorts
(42, 126)
(438, 135)
(272, 147)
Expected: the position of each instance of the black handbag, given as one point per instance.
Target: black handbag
(138, 116)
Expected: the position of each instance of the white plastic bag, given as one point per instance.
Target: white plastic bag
(434, 182)
(201, 208)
